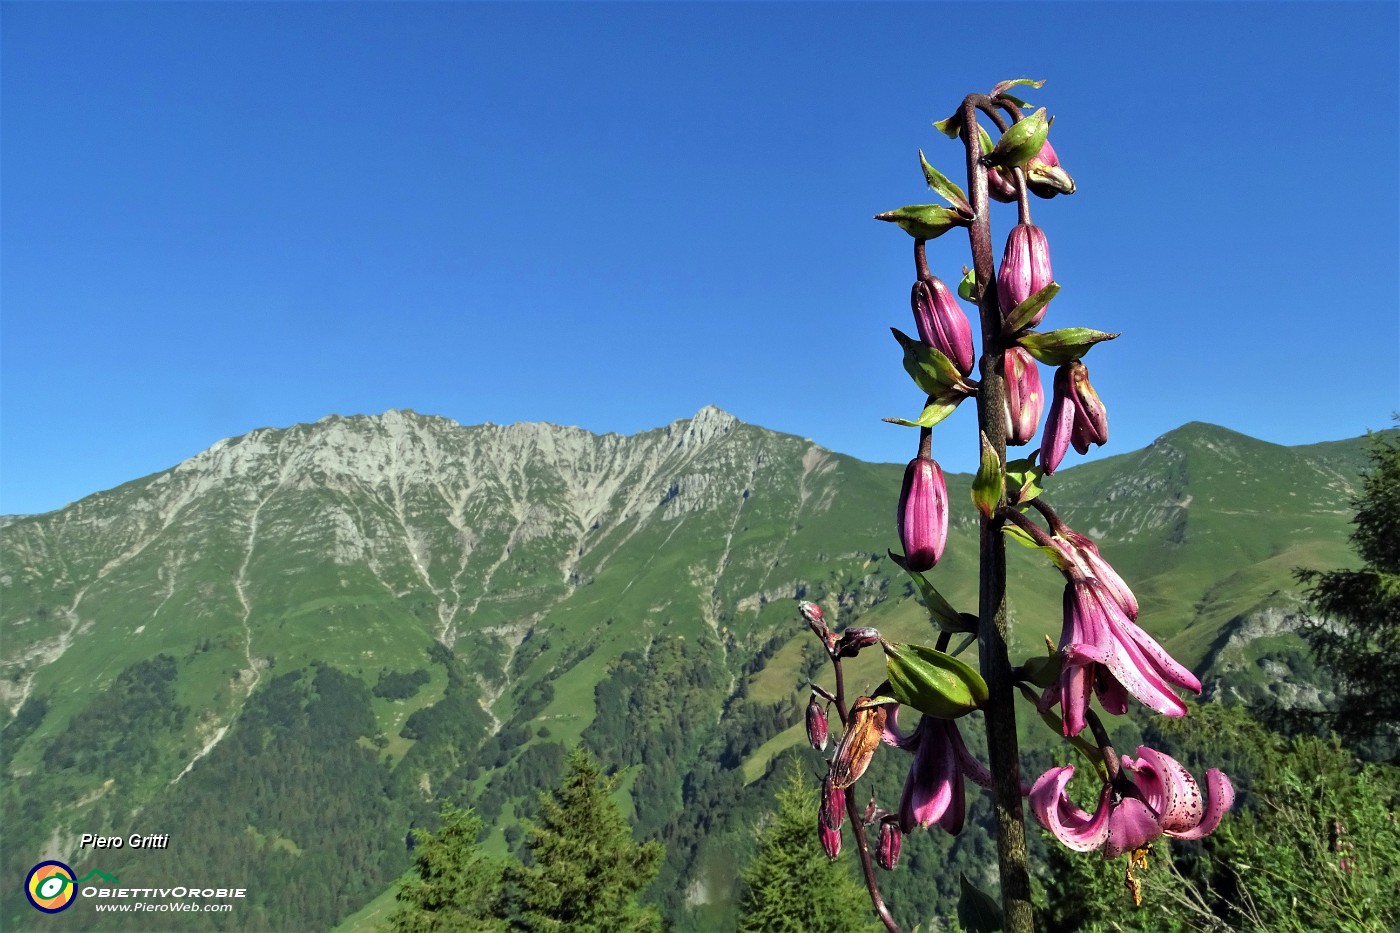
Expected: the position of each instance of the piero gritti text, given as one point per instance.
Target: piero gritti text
(134, 841)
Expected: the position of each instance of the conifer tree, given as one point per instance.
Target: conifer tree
(457, 887)
(791, 886)
(587, 868)
(1357, 636)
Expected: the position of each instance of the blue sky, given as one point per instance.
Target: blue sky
(218, 217)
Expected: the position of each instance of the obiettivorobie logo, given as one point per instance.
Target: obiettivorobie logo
(51, 886)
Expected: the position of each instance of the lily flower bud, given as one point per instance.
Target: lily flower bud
(1025, 269)
(1044, 177)
(833, 810)
(887, 855)
(1000, 187)
(923, 514)
(1059, 425)
(816, 724)
(1025, 399)
(942, 324)
(1089, 411)
(831, 840)
(854, 639)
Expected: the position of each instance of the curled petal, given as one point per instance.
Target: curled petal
(928, 789)
(1065, 820)
(1220, 797)
(1170, 669)
(1132, 824)
(1112, 696)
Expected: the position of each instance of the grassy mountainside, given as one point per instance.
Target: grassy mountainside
(447, 609)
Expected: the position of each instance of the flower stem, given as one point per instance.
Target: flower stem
(994, 621)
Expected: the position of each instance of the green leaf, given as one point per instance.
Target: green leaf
(950, 127)
(1003, 86)
(1013, 99)
(1023, 480)
(934, 412)
(944, 187)
(967, 288)
(1022, 141)
(968, 641)
(1092, 754)
(989, 485)
(985, 139)
(940, 612)
(1020, 536)
(930, 369)
(926, 221)
(1064, 346)
(1020, 317)
(977, 912)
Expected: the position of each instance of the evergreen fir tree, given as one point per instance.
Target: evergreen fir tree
(791, 886)
(456, 887)
(587, 869)
(1357, 636)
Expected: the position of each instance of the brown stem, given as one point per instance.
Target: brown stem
(867, 867)
(994, 622)
(1057, 524)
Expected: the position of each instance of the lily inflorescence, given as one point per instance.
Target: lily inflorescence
(1103, 654)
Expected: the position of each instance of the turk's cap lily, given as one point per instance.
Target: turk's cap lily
(923, 514)
(1025, 399)
(934, 790)
(1084, 553)
(1162, 798)
(941, 323)
(1105, 652)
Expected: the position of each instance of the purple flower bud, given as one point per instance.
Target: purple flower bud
(887, 855)
(1044, 177)
(1025, 399)
(812, 613)
(1089, 411)
(942, 324)
(1059, 425)
(1000, 186)
(831, 840)
(816, 724)
(923, 514)
(854, 639)
(833, 810)
(1025, 269)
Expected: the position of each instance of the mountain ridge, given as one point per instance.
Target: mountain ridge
(524, 577)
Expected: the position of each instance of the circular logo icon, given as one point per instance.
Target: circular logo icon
(50, 887)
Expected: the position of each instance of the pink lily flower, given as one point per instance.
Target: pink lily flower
(1163, 800)
(934, 790)
(1103, 651)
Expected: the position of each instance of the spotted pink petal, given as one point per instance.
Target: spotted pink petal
(1065, 820)
(1170, 669)
(1112, 696)
(1119, 653)
(966, 763)
(956, 813)
(1131, 825)
(1220, 796)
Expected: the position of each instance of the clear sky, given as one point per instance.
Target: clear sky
(223, 216)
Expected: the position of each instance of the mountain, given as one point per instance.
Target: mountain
(303, 636)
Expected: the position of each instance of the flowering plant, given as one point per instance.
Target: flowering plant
(1103, 652)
